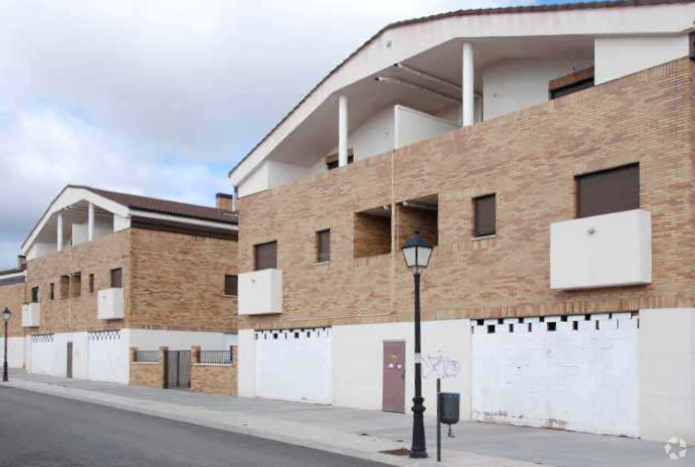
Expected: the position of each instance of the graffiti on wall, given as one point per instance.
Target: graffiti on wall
(440, 366)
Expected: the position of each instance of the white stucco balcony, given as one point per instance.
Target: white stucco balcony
(110, 304)
(260, 292)
(610, 250)
(31, 315)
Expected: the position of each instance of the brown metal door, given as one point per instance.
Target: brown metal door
(69, 369)
(394, 377)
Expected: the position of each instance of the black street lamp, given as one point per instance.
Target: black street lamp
(417, 252)
(6, 315)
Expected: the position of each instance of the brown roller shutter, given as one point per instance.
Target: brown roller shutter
(608, 191)
(485, 222)
(266, 256)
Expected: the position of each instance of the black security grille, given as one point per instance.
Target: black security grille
(216, 357)
(178, 369)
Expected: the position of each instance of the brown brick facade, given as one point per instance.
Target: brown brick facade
(170, 281)
(11, 296)
(151, 375)
(214, 379)
(529, 159)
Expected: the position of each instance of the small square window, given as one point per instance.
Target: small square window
(231, 286)
(485, 216)
(323, 246)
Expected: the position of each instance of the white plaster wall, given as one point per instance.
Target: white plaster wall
(513, 85)
(120, 223)
(358, 362)
(412, 126)
(108, 357)
(42, 355)
(584, 380)
(270, 175)
(40, 249)
(602, 251)
(15, 351)
(51, 358)
(260, 292)
(667, 374)
(256, 182)
(79, 234)
(231, 339)
(294, 365)
(247, 363)
(621, 56)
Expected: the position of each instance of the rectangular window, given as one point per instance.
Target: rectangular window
(76, 285)
(64, 287)
(51, 291)
(231, 286)
(35, 295)
(117, 278)
(266, 256)
(607, 191)
(485, 216)
(91, 283)
(323, 246)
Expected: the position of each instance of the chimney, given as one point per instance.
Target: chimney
(224, 201)
(21, 262)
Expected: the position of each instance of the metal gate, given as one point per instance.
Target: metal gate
(178, 369)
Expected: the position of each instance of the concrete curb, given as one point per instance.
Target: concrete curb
(319, 438)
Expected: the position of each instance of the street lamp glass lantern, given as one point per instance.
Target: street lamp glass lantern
(417, 252)
(6, 315)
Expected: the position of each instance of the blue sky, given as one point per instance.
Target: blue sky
(159, 97)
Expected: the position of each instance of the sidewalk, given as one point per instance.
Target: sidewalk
(361, 433)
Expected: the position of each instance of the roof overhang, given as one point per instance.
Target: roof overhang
(402, 41)
(72, 195)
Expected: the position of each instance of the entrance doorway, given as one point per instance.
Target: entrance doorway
(394, 377)
(68, 371)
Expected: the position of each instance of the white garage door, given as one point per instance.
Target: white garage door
(577, 375)
(294, 364)
(108, 357)
(42, 354)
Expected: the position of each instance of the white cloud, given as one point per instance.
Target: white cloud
(145, 95)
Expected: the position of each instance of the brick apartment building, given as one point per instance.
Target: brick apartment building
(11, 296)
(547, 153)
(109, 271)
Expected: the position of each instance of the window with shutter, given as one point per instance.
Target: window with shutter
(485, 216)
(265, 256)
(323, 244)
(117, 278)
(231, 286)
(608, 191)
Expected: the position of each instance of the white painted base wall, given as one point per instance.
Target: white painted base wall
(15, 351)
(358, 362)
(667, 374)
(581, 380)
(103, 355)
(295, 365)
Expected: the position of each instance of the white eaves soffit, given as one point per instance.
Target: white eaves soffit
(74, 195)
(68, 197)
(402, 42)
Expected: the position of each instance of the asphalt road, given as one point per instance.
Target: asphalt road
(39, 431)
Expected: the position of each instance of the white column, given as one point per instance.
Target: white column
(59, 233)
(342, 131)
(468, 86)
(90, 222)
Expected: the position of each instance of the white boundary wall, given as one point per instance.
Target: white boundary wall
(103, 355)
(15, 351)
